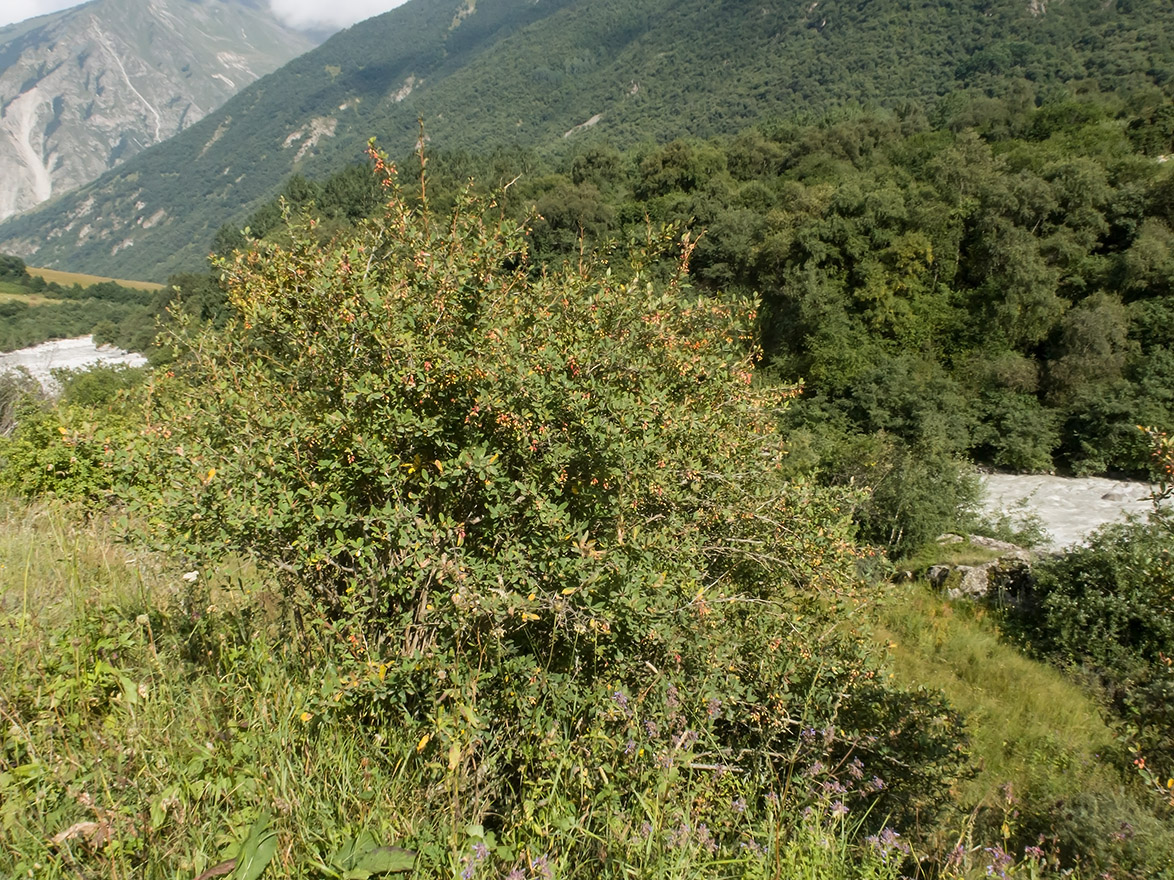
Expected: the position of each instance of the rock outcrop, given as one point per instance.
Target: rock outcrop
(1006, 576)
(85, 89)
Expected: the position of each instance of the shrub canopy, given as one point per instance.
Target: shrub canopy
(528, 502)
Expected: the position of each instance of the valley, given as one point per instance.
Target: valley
(585, 439)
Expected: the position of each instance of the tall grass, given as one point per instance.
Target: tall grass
(1048, 768)
(152, 721)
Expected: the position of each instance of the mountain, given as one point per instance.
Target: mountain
(85, 89)
(552, 75)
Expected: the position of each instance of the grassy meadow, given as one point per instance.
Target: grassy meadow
(156, 723)
(1046, 762)
(10, 293)
(68, 279)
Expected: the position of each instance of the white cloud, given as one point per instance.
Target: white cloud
(323, 14)
(333, 14)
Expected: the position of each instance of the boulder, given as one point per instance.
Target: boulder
(1006, 578)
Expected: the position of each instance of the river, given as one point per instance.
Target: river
(1070, 507)
(41, 360)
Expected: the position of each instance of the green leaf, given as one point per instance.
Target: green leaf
(387, 860)
(257, 851)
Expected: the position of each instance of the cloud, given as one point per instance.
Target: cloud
(296, 13)
(335, 14)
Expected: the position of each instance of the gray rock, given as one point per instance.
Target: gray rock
(1005, 578)
(86, 88)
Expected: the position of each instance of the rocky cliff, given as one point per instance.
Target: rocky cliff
(84, 89)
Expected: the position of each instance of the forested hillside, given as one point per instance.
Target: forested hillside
(946, 290)
(504, 73)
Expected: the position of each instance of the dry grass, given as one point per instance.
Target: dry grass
(33, 299)
(68, 279)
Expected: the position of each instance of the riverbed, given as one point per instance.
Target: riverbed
(71, 354)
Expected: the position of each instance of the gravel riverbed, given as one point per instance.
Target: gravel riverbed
(41, 360)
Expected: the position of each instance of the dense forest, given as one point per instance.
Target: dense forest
(551, 76)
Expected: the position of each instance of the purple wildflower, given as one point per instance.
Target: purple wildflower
(754, 846)
(705, 838)
(516, 874)
(739, 804)
(887, 843)
(672, 700)
(1000, 861)
(541, 867)
(957, 855)
(839, 810)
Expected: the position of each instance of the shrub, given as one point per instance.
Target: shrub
(16, 386)
(526, 504)
(1106, 607)
(68, 452)
(84, 445)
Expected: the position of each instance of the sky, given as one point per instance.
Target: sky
(297, 13)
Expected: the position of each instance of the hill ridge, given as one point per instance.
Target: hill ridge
(516, 73)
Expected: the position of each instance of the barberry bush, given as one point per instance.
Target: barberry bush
(528, 505)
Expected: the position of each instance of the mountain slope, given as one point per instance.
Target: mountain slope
(551, 74)
(85, 89)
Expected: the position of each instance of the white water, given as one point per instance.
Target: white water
(1070, 507)
(72, 354)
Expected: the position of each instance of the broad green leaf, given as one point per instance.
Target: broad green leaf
(387, 860)
(257, 851)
